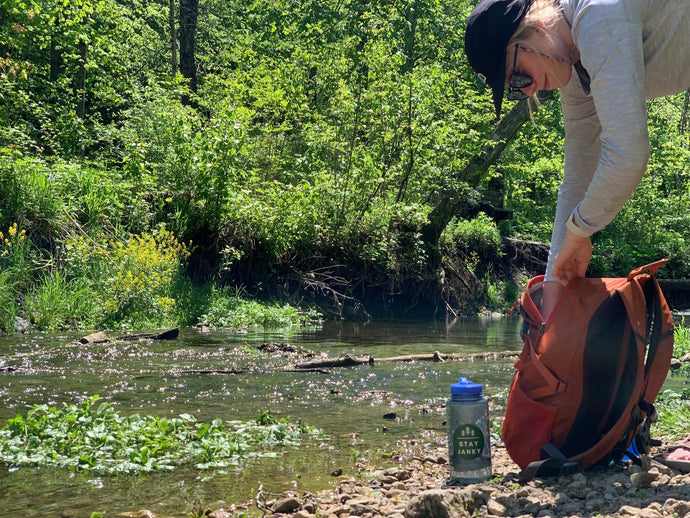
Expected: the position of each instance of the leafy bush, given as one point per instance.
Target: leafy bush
(133, 280)
(232, 311)
(480, 235)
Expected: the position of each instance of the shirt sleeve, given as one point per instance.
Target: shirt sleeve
(606, 137)
(582, 152)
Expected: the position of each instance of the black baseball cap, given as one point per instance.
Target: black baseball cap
(489, 29)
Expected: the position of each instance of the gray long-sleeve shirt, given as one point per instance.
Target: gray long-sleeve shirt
(633, 50)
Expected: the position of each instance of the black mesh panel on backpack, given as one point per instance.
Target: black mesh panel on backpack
(610, 360)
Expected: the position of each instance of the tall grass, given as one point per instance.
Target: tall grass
(674, 407)
(8, 302)
(58, 304)
(16, 270)
(681, 339)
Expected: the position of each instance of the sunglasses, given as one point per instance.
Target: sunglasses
(517, 81)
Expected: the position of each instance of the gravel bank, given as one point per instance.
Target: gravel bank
(417, 486)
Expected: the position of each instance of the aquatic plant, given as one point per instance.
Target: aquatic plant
(92, 436)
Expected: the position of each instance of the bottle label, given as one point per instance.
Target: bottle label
(468, 442)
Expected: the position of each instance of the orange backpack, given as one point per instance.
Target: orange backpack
(586, 379)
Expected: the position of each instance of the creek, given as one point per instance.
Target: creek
(168, 378)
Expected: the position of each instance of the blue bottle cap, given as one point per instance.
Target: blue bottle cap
(464, 387)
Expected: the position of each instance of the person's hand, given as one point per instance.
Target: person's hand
(572, 258)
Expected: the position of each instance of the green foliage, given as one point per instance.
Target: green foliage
(328, 129)
(478, 234)
(70, 70)
(16, 270)
(674, 407)
(29, 197)
(681, 339)
(57, 304)
(478, 242)
(232, 310)
(674, 414)
(402, 248)
(9, 308)
(97, 199)
(16, 258)
(93, 437)
(133, 279)
(532, 168)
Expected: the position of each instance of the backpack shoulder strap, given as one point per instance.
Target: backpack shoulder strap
(654, 325)
(660, 338)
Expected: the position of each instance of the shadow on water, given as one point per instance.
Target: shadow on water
(168, 378)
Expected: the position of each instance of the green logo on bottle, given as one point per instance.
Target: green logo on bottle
(468, 442)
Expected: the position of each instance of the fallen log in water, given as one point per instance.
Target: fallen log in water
(169, 334)
(100, 336)
(350, 361)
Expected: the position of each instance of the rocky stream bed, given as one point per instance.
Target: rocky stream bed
(416, 485)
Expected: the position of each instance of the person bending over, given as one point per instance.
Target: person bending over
(607, 57)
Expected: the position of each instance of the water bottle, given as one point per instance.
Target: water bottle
(469, 449)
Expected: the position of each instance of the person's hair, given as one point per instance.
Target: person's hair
(541, 13)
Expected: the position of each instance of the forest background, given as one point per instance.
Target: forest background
(171, 162)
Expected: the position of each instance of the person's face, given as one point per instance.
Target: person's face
(539, 59)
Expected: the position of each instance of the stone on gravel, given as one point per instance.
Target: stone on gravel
(417, 488)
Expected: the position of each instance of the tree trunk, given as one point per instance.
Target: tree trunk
(685, 115)
(80, 80)
(189, 10)
(409, 14)
(173, 38)
(56, 61)
(454, 203)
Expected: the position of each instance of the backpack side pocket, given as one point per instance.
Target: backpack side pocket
(527, 425)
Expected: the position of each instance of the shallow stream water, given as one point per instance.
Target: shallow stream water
(161, 378)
